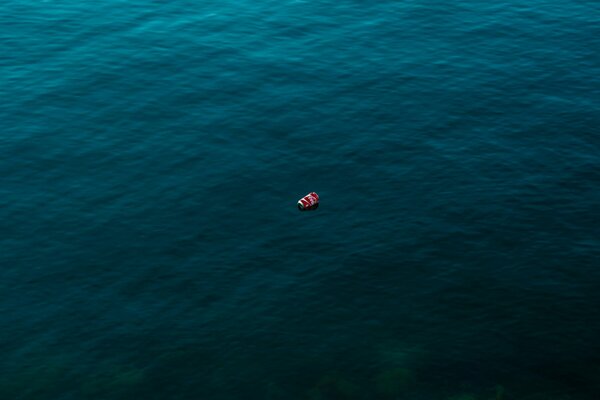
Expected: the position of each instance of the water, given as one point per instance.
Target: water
(152, 153)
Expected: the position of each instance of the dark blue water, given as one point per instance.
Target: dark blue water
(151, 155)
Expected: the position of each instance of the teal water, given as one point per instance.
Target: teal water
(151, 157)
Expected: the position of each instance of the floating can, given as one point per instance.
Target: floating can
(309, 202)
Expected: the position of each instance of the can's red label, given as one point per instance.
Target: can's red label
(309, 202)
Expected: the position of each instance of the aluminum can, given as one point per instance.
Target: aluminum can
(309, 202)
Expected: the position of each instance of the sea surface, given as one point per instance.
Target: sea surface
(152, 154)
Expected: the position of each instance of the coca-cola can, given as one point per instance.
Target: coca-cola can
(309, 202)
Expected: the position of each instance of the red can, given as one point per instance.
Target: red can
(309, 202)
